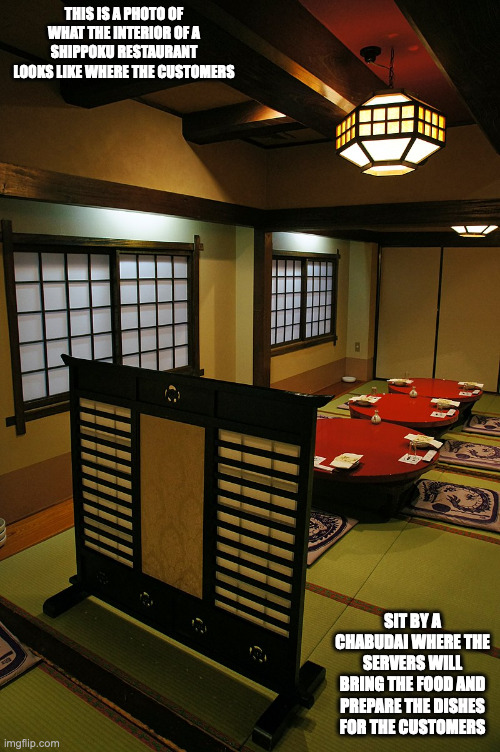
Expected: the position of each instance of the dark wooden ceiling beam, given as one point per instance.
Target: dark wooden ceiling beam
(463, 39)
(268, 72)
(286, 26)
(401, 215)
(234, 121)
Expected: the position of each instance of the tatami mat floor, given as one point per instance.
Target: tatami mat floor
(401, 565)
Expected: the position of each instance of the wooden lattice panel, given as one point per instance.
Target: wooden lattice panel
(105, 457)
(256, 520)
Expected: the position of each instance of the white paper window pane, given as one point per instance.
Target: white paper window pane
(32, 357)
(78, 266)
(164, 314)
(280, 302)
(314, 329)
(308, 330)
(281, 284)
(80, 322)
(26, 267)
(321, 327)
(181, 356)
(273, 285)
(30, 327)
(101, 320)
(273, 337)
(101, 294)
(180, 289)
(103, 346)
(54, 350)
(288, 333)
(165, 337)
(280, 318)
(280, 268)
(329, 312)
(273, 319)
(164, 291)
(129, 317)
(148, 315)
(180, 312)
(308, 314)
(289, 317)
(33, 386)
(128, 292)
(280, 333)
(296, 331)
(146, 267)
(181, 334)
(148, 360)
(273, 302)
(180, 267)
(289, 301)
(54, 296)
(131, 360)
(164, 267)
(130, 342)
(128, 267)
(56, 325)
(81, 348)
(53, 268)
(99, 267)
(147, 291)
(79, 295)
(148, 339)
(58, 381)
(28, 298)
(166, 359)
(289, 284)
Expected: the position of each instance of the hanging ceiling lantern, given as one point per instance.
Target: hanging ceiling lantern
(390, 134)
(474, 231)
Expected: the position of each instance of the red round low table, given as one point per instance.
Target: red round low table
(444, 388)
(381, 445)
(415, 412)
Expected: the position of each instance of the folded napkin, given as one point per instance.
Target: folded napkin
(441, 402)
(346, 461)
(318, 462)
(470, 384)
(364, 399)
(424, 441)
(400, 382)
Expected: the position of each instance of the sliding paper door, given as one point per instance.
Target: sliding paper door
(409, 287)
(469, 323)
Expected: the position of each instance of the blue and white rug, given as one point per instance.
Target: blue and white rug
(483, 424)
(470, 455)
(458, 505)
(325, 530)
(15, 659)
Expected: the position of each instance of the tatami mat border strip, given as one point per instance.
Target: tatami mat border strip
(454, 530)
(469, 471)
(144, 735)
(90, 668)
(370, 608)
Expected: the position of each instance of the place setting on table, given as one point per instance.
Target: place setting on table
(466, 393)
(412, 410)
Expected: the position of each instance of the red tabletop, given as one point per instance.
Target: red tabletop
(405, 411)
(381, 446)
(444, 388)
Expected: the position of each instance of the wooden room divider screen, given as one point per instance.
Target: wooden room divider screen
(192, 502)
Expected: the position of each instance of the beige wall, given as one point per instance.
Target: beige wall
(124, 142)
(466, 168)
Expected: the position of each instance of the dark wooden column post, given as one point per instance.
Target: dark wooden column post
(263, 254)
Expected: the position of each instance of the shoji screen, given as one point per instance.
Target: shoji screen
(469, 322)
(407, 313)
